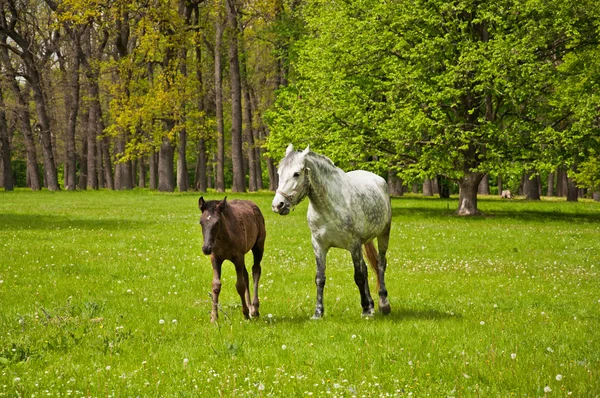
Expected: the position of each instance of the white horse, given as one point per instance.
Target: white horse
(346, 210)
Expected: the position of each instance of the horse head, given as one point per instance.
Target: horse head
(210, 220)
(293, 181)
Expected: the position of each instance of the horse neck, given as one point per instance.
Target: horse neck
(326, 183)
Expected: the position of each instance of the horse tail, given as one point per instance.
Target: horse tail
(371, 254)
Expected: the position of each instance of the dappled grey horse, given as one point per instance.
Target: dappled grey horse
(346, 210)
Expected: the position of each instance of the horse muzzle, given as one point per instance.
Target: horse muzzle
(280, 205)
(207, 250)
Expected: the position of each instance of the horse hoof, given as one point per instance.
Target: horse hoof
(317, 316)
(368, 313)
(385, 308)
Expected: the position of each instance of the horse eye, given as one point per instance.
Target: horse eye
(297, 174)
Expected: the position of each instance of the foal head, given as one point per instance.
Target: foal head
(293, 181)
(210, 220)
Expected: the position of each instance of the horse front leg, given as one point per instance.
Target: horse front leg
(321, 257)
(242, 285)
(216, 287)
(362, 281)
(257, 253)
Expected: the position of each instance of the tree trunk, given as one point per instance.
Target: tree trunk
(561, 182)
(500, 187)
(7, 174)
(43, 129)
(166, 173)
(484, 186)
(24, 118)
(220, 175)
(82, 158)
(250, 140)
(550, 191)
(183, 182)
(108, 171)
(427, 187)
(572, 190)
(237, 157)
(153, 165)
(531, 186)
(395, 184)
(141, 173)
(467, 201)
(73, 105)
(92, 133)
(200, 183)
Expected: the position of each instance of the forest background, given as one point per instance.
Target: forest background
(440, 97)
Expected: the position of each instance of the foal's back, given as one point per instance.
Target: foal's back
(246, 224)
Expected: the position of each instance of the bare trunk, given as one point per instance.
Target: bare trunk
(531, 186)
(467, 201)
(550, 191)
(427, 187)
(200, 183)
(500, 188)
(237, 157)
(395, 184)
(561, 182)
(572, 190)
(220, 172)
(24, 117)
(484, 186)
(166, 174)
(92, 135)
(7, 177)
(153, 165)
(72, 103)
(83, 171)
(141, 173)
(183, 183)
(108, 171)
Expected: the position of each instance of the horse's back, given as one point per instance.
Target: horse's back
(249, 216)
(371, 200)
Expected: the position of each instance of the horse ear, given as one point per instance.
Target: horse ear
(307, 150)
(222, 204)
(201, 203)
(289, 149)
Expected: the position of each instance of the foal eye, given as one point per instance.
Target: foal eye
(297, 174)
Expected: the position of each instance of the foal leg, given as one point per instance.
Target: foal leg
(216, 287)
(257, 252)
(242, 285)
(321, 256)
(382, 245)
(362, 281)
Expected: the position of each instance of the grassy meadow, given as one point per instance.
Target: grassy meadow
(107, 294)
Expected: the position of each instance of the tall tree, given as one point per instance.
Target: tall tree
(220, 169)
(34, 50)
(239, 179)
(23, 115)
(5, 150)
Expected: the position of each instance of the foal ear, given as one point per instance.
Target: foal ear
(307, 150)
(289, 149)
(222, 204)
(201, 203)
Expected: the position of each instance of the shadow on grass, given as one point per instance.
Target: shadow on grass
(428, 208)
(15, 222)
(403, 314)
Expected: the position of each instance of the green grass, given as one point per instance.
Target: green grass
(484, 306)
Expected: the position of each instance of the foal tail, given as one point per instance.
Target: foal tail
(371, 254)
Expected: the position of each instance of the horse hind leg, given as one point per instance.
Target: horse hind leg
(242, 285)
(382, 245)
(362, 282)
(257, 252)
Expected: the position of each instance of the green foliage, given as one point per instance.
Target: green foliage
(498, 305)
(435, 87)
